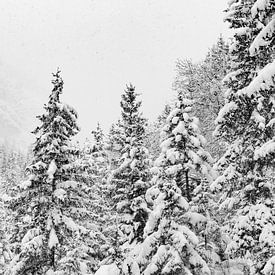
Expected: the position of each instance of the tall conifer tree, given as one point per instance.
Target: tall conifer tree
(246, 122)
(130, 179)
(170, 246)
(49, 205)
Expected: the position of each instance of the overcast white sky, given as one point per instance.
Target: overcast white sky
(101, 45)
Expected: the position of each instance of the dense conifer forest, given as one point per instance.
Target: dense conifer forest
(190, 193)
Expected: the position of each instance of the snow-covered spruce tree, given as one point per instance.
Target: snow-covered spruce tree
(5, 220)
(99, 165)
(114, 143)
(130, 179)
(101, 208)
(104, 158)
(99, 159)
(152, 133)
(92, 160)
(46, 236)
(185, 144)
(81, 161)
(246, 122)
(98, 139)
(90, 166)
(202, 82)
(12, 164)
(170, 245)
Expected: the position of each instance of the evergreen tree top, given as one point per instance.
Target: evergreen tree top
(132, 123)
(58, 125)
(128, 102)
(58, 86)
(98, 138)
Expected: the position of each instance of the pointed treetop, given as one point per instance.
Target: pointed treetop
(128, 101)
(130, 87)
(98, 136)
(58, 85)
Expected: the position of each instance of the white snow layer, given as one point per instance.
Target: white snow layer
(263, 38)
(259, 5)
(172, 114)
(180, 129)
(241, 31)
(232, 76)
(260, 120)
(33, 232)
(25, 184)
(111, 269)
(175, 120)
(53, 240)
(264, 80)
(50, 272)
(265, 149)
(60, 193)
(52, 169)
(186, 101)
(227, 108)
(269, 268)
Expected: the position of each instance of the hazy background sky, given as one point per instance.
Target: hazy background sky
(100, 45)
